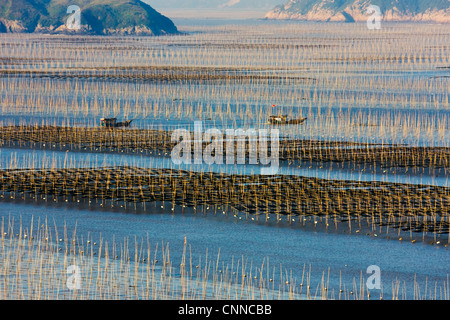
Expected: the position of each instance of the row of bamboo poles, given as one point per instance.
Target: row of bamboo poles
(159, 141)
(425, 208)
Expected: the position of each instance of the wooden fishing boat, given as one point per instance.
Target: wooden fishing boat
(283, 120)
(112, 123)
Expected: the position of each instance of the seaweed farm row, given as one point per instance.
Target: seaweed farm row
(159, 142)
(155, 74)
(411, 208)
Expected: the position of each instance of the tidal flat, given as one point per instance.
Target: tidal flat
(362, 182)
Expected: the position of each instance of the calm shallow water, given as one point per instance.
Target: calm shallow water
(349, 123)
(288, 245)
(287, 248)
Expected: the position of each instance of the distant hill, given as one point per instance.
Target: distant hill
(97, 17)
(356, 10)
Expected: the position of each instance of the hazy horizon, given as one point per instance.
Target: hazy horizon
(215, 9)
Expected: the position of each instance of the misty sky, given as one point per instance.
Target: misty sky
(215, 4)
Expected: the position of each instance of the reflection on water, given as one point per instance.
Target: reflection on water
(365, 125)
(281, 248)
